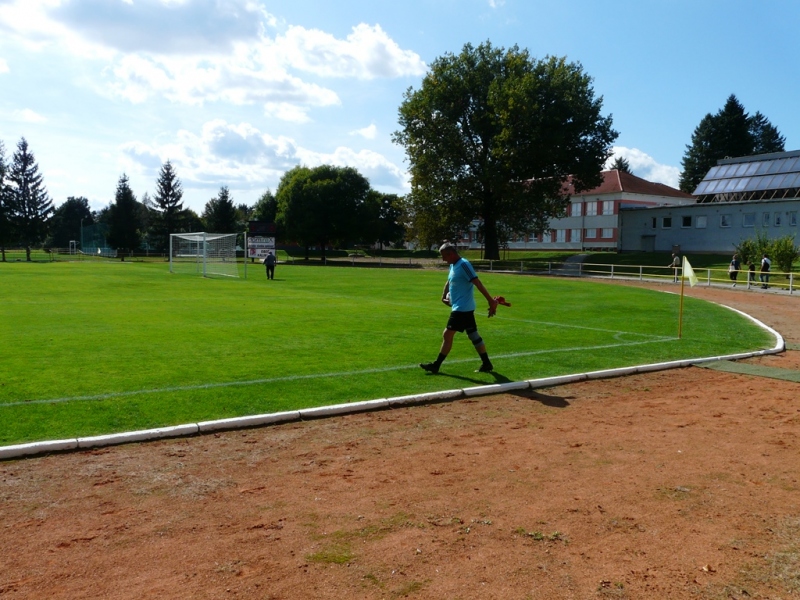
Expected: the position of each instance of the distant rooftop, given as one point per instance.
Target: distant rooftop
(759, 177)
(620, 181)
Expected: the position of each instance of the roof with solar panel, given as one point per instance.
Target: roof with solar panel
(773, 176)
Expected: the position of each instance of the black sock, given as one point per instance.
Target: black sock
(440, 359)
(485, 357)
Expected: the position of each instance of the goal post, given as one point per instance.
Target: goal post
(206, 254)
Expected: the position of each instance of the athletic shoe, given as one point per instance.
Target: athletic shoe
(485, 368)
(430, 367)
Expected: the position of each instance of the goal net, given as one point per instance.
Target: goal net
(206, 254)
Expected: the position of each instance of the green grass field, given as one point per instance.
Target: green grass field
(93, 348)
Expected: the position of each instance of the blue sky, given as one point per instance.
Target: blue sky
(235, 92)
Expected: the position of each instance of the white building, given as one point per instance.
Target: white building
(737, 197)
(592, 220)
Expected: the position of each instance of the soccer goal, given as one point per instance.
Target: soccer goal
(206, 254)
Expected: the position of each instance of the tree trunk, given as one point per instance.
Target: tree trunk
(490, 241)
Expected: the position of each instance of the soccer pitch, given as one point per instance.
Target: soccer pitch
(100, 348)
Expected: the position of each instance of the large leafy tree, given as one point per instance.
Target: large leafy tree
(220, 215)
(729, 132)
(124, 219)
(67, 221)
(30, 206)
(494, 134)
(167, 204)
(323, 205)
(266, 208)
(384, 216)
(425, 221)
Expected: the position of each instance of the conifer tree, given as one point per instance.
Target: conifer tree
(621, 163)
(30, 206)
(167, 203)
(5, 205)
(729, 133)
(219, 214)
(124, 219)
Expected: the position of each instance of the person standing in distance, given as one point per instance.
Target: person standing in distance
(270, 261)
(676, 267)
(733, 269)
(458, 295)
(764, 275)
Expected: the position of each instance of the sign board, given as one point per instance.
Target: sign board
(260, 239)
(260, 228)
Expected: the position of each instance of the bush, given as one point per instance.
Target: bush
(783, 250)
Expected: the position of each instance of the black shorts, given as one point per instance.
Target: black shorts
(462, 321)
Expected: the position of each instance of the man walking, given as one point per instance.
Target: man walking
(764, 276)
(270, 261)
(458, 295)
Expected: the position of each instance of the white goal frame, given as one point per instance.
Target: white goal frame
(202, 253)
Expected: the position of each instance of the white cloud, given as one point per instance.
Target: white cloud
(237, 80)
(377, 168)
(496, 3)
(205, 51)
(243, 157)
(162, 26)
(4, 66)
(367, 53)
(645, 166)
(369, 133)
(26, 115)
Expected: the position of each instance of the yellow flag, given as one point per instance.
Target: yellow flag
(688, 272)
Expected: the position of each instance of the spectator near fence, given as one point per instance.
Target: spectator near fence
(765, 265)
(733, 269)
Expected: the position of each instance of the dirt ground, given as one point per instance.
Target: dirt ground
(679, 484)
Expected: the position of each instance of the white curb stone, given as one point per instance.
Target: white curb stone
(423, 398)
(251, 421)
(496, 388)
(137, 436)
(37, 448)
(342, 409)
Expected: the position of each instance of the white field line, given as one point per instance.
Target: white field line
(209, 386)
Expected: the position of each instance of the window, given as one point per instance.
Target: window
(591, 209)
(655, 222)
(575, 235)
(793, 218)
(749, 220)
(686, 221)
(607, 233)
(577, 209)
(666, 222)
(765, 219)
(591, 234)
(777, 219)
(724, 220)
(700, 222)
(608, 207)
(561, 235)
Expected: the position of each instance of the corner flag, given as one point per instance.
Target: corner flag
(688, 273)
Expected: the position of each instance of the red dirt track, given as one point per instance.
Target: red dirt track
(678, 484)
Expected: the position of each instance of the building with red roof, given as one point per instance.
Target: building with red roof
(592, 219)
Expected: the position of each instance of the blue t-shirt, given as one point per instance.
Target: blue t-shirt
(461, 286)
